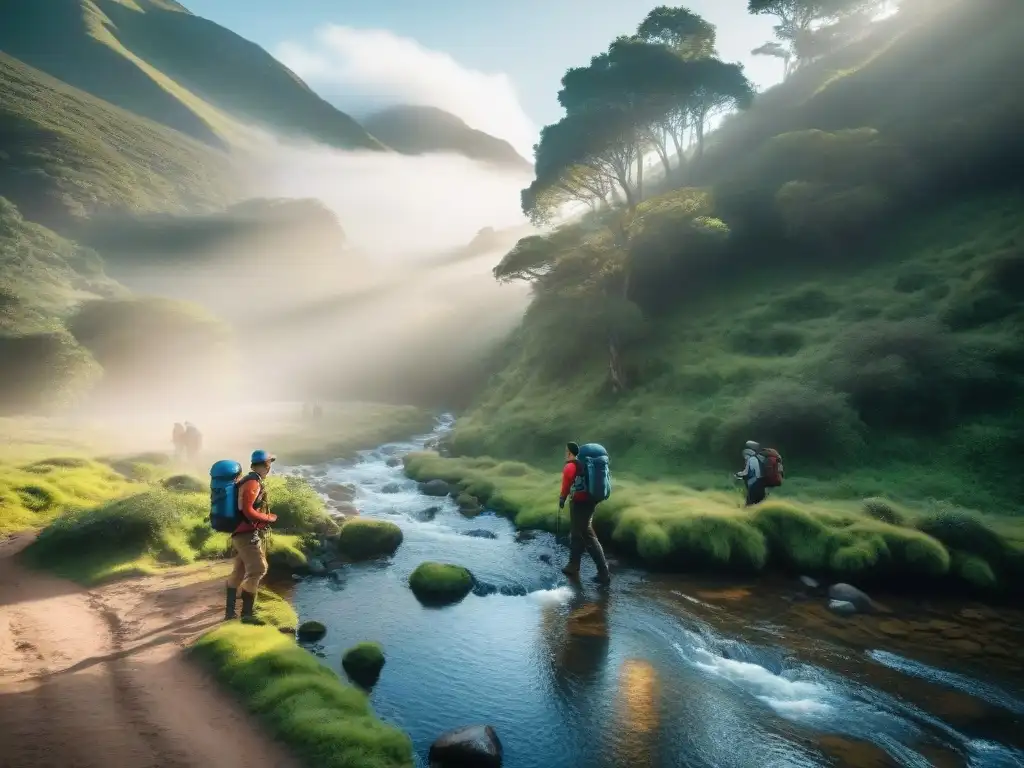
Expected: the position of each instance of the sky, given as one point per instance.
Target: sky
(495, 64)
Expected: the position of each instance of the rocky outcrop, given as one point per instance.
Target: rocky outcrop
(437, 488)
(343, 492)
(391, 488)
(475, 746)
(469, 505)
(846, 593)
(480, 533)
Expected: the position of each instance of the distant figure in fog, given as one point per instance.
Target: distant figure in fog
(178, 438)
(193, 441)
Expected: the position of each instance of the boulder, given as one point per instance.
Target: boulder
(848, 594)
(440, 583)
(810, 583)
(363, 663)
(316, 567)
(340, 491)
(480, 533)
(475, 746)
(436, 488)
(391, 488)
(426, 515)
(842, 607)
(469, 505)
(394, 461)
(346, 508)
(364, 539)
(311, 631)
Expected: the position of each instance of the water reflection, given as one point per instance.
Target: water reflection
(637, 714)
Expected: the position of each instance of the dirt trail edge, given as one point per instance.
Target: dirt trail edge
(96, 678)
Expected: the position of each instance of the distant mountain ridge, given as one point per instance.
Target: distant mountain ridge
(159, 61)
(420, 130)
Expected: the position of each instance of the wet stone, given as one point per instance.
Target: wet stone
(842, 607)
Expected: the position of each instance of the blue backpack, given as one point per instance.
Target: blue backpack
(224, 514)
(592, 472)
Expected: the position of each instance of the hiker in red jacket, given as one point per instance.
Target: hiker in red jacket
(581, 518)
(246, 542)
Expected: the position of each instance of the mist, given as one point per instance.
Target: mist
(373, 283)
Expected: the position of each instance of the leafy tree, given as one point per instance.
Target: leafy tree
(802, 24)
(689, 35)
(779, 51)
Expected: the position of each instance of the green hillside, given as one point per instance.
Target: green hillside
(841, 277)
(156, 59)
(414, 130)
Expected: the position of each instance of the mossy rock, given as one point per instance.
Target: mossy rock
(364, 539)
(184, 484)
(440, 583)
(469, 505)
(363, 663)
(311, 631)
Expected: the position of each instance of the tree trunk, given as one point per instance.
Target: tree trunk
(616, 377)
(639, 174)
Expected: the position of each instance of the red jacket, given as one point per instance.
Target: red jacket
(254, 519)
(568, 475)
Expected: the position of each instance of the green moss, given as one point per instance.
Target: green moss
(274, 611)
(303, 703)
(311, 631)
(362, 538)
(440, 583)
(184, 484)
(363, 663)
(672, 526)
(974, 570)
(884, 511)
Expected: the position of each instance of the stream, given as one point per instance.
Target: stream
(657, 670)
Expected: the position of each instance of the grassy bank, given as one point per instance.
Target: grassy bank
(157, 527)
(325, 722)
(670, 526)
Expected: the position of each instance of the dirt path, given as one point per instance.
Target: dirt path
(96, 678)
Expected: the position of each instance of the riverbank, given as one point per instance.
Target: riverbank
(667, 526)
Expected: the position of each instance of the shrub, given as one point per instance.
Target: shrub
(305, 705)
(123, 537)
(184, 484)
(363, 663)
(363, 539)
(298, 507)
(440, 583)
(910, 373)
(974, 570)
(802, 422)
(274, 611)
(770, 340)
(883, 511)
(963, 530)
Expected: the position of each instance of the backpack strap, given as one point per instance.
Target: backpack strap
(261, 495)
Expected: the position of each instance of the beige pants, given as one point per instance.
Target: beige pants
(250, 563)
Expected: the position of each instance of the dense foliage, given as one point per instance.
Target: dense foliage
(831, 270)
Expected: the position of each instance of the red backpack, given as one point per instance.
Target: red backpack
(772, 472)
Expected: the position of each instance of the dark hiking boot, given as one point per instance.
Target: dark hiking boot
(229, 609)
(604, 579)
(572, 573)
(248, 606)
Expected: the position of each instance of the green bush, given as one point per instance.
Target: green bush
(363, 538)
(963, 530)
(305, 705)
(802, 422)
(440, 583)
(125, 537)
(298, 507)
(363, 663)
(883, 511)
(184, 484)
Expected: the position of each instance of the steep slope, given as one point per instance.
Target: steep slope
(159, 61)
(860, 306)
(68, 155)
(415, 130)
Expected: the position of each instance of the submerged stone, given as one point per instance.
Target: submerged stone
(842, 607)
(475, 746)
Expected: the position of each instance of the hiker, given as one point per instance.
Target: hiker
(581, 517)
(193, 441)
(178, 438)
(751, 475)
(246, 541)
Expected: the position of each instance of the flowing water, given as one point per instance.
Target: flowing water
(656, 671)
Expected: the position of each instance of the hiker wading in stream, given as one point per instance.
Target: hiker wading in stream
(247, 541)
(581, 517)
